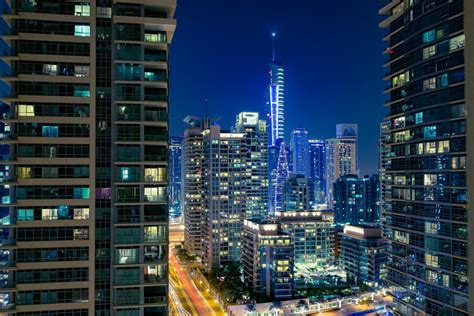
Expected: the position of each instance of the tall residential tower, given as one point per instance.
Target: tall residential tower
(88, 137)
(429, 156)
(255, 131)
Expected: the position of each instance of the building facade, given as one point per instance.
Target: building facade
(267, 260)
(427, 158)
(356, 200)
(255, 131)
(88, 137)
(175, 179)
(317, 167)
(276, 103)
(341, 159)
(297, 193)
(192, 188)
(364, 254)
(312, 233)
(299, 145)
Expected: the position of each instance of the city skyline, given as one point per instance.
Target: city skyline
(312, 71)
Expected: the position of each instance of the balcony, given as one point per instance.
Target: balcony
(134, 239)
(131, 280)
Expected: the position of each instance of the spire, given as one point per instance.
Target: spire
(273, 46)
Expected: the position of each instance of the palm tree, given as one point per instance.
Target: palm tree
(302, 306)
(250, 309)
(276, 306)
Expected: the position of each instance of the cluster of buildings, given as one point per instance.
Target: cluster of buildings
(86, 158)
(278, 210)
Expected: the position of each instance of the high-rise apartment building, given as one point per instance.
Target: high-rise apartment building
(256, 136)
(363, 254)
(428, 158)
(299, 145)
(341, 156)
(297, 193)
(88, 133)
(268, 260)
(317, 168)
(313, 235)
(215, 184)
(192, 186)
(175, 162)
(356, 200)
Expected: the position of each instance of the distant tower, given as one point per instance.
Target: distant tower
(300, 151)
(275, 105)
(276, 100)
(341, 156)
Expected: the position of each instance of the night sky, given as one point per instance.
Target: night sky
(332, 52)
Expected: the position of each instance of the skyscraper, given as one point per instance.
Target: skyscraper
(267, 259)
(297, 193)
(276, 102)
(341, 155)
(299, 145)
(192, 186)
(215, 171)
(428, 160)
(356, 200)
(317, 167)
(256, 136)
(175, 160)
(88, 134)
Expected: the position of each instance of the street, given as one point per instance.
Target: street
(189, 297)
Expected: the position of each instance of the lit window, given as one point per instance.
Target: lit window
(429, 131)
(419, 118)
(457, 42)
(50, 131)
(82, 30)
(429, 84)
(431, 228)
(429, 51)
(82, 10)
(155, 38)
(81, 193)
(26, 110)
(430, 179)
(429, 36)
(81, 71)
(81, 91)
(26, 215)
(50, 69)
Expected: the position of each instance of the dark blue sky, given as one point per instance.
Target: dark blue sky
(332, 52)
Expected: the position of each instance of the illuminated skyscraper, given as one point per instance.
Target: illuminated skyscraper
(317, 166)
(341, 156)
(88, 134)
(429, 156)
(215, 183)
(276, 101)
(175, 159)
(255, 131)
(299, 146)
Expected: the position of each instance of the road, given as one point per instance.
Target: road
(191, 298)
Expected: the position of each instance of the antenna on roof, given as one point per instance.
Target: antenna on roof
(273, 46)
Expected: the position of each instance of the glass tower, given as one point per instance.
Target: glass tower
(317, 167)
(427, 155)
(299, 145)
(87, 136)
(175, 153)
